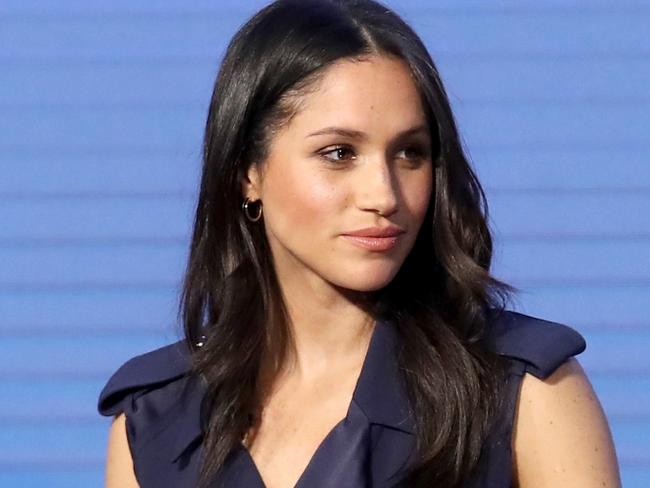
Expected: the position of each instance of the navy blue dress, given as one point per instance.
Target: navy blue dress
(368, 448)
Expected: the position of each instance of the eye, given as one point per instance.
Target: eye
(417, 151)
(338, 151)
(414, 153)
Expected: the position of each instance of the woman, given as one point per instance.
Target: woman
(341, 325)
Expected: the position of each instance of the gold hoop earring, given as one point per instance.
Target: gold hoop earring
(245, 207)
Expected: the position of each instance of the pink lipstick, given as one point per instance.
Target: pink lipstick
(375, 238)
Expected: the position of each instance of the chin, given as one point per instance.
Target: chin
(371, 279)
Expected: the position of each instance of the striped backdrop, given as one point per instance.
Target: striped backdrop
(102, 105)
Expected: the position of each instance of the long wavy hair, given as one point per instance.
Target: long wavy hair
(439, 300)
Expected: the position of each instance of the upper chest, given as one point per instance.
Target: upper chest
(293, 423)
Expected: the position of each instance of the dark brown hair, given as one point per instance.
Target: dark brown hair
(439, 299)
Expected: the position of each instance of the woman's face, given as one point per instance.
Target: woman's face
(357, 155)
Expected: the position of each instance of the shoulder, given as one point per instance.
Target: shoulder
(540, 345)
(161, 401)
(560, 434)
(148, 370)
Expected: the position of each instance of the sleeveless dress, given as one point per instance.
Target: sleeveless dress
(368, 448)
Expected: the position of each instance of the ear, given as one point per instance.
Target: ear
(251, 181)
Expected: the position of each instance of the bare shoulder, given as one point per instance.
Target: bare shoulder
(119, 463)
(560, 434)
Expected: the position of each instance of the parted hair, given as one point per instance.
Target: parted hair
(441, 297)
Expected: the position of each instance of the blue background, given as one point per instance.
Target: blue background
(102, 106)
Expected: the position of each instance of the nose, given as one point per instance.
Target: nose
(378, 188)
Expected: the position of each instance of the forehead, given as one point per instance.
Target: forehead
(378, 91)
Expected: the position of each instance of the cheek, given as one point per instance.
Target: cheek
(300, 201)
(417, 193)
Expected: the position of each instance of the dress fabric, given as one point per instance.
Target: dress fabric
(370, 447)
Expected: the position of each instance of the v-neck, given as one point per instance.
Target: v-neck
(353, 414)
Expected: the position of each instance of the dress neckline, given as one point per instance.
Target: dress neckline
(353, 410)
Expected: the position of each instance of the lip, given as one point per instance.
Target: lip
(388, 231)
(372, 243)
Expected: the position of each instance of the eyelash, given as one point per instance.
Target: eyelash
(419, 150)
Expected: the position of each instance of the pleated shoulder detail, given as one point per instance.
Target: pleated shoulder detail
(150, 369)
(542, 344)
(162, 404)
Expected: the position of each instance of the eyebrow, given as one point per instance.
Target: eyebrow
(355, 134)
